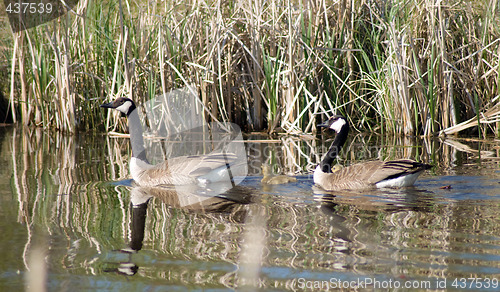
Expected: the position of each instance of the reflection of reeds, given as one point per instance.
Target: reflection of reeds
(54, 181)
(396, 66)
(58, 185)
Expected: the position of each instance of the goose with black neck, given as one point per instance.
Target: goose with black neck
(373, 174)
(182, 170)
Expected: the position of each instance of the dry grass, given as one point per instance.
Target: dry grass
(400, 66)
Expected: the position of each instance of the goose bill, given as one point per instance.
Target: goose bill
(107, 105)
(324, 124)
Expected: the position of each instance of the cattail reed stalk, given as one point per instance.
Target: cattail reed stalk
(22, 78)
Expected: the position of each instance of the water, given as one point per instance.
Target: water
(67, 222)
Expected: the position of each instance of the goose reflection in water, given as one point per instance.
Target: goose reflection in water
(191, 198)
(386, 200)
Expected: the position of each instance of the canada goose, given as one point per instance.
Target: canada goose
(395, 173)
(182, 170)
(271, 179)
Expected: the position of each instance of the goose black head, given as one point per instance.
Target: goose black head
(336, 123)
(121, 104)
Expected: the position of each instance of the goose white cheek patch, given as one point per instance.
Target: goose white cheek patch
(337, 125)
(124, 107)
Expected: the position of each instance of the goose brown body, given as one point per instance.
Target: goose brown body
(182, 170)
(370, 174)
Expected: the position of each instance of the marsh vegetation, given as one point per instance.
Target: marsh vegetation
(400, 66)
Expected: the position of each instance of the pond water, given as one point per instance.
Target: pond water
(70, 221)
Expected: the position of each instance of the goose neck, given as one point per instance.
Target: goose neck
(340, 138)
(136, 138)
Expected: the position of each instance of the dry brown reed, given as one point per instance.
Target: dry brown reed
(400, 66)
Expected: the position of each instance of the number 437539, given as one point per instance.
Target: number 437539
(32, 8)
(475, 283)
